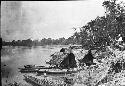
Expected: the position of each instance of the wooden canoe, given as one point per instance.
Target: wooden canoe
(57, 71)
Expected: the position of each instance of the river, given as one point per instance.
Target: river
(14, 57)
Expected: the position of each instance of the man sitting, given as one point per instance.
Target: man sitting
(69, 61)
(88, 59)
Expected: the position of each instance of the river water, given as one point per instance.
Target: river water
(14, 57)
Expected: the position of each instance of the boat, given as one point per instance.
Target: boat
(36, 67)
(39, 67)
(29, 66)
(23, 70)
(57, 71)
(33, 68)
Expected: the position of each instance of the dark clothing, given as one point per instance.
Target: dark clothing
(62, 50)
(88, 59)
(69, 61)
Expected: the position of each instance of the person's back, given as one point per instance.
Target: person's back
(88, 59)
(69, 61)
(72, 61)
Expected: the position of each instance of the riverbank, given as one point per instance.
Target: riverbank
(94, 75)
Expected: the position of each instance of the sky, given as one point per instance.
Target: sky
(46, 19)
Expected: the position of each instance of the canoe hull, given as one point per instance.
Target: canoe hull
(56, 72)
(28, 71)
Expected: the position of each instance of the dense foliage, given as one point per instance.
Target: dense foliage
(104, 30)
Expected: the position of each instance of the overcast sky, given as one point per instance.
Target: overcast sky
(46, 19)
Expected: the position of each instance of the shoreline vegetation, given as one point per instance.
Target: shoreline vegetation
(98, 33)
(108, 30)
(49, 41)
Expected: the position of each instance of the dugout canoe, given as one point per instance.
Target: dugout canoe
(57, 71)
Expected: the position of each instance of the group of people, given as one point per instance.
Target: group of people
(70, 61)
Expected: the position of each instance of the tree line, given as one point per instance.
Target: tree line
(44, 41)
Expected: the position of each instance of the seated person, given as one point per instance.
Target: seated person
(69, 61)
(88, 59)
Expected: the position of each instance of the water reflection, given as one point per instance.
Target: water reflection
(14, 57)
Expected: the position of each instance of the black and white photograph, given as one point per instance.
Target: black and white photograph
(63, 43)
